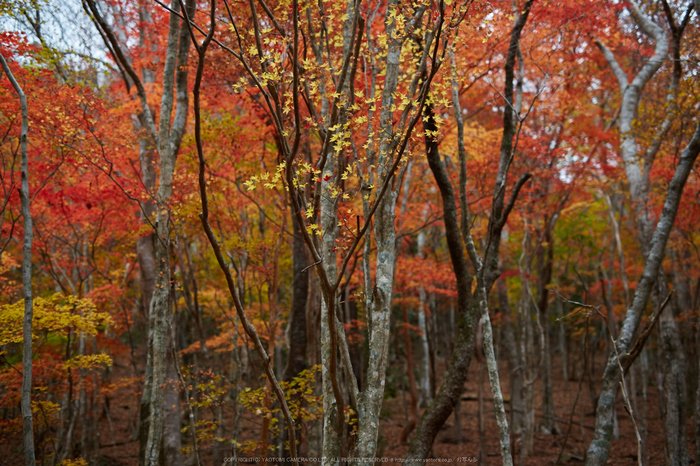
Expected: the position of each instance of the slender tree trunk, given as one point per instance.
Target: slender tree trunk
(26, 398)
(379, 308)
(515, 371)
(639, 187)
(453, 386)
(332, 437)
(169, 138)
(528, 358)
(675, 389)
(144, 244)
(545, 259)
(683, 299)
(425, 390)
(481, 414)
(599, 448)
(643, 369)
(354, 345)
(166, 138)
(296, 361)
(494, 379)
(413, 406)
(527, 362)
(458, 236)
(563, 342)
(82, 400)
(172, 440)
(373, 392)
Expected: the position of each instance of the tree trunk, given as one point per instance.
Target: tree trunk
(528, 363)
(545, 259)
(600, 446)
(379, 306)
(172, 440)
(413, 406)
(517, 407)
(643, 369)
(27, 351)
(675, 389)
(354, 345)
(653, 246)
(169, 138)
(332, 436)
(457, 236)
(453, 386)
(424, 390)
(296, 361)
(481, 415)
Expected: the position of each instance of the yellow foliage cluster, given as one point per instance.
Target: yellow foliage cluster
(87, 361)
(52, 315)
(74, 462)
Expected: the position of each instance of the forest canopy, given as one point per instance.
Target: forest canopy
(370, 231)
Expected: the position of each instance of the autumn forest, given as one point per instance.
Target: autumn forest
(349, 232)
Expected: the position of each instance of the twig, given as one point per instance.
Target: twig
(636, 350)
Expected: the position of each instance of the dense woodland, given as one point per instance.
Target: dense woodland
(367, 230)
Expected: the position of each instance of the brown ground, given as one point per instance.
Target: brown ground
(118, 448)
(547, 447)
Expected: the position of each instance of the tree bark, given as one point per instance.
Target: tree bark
(169, 138)
(440, 409)
(545, 259)
(27, 352)
(515, 371)
(528, 361)
(332, 434)
(379, 309)
(434, 417)
(172, 440)
(296, 361)
(639, 187)
(675, 389)
(413, 391)
(599, 448)
(424, 391)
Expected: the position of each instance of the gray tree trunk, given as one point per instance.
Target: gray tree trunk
(515, 371)
(169, 138)
(379, 310)
(528, 361)
(562, 342)
(469, 309)
(424, 379)
(296, 361)
(166, 138)
(599, 448)
(639, 186)
(172, 438)
(545, 259)
(675, 389)
(144, 250)
(332, 437)
(27, 352)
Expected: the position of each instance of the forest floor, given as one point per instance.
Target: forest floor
(546, 446)
(119, 448)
